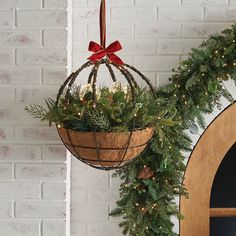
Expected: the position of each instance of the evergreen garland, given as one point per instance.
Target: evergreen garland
(147, 205)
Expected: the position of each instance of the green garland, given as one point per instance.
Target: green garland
(148, 205)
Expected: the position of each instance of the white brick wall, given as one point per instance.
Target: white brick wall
(33, 61)
(156, 35)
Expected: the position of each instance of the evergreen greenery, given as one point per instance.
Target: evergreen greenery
(148, 205)
(114, 110)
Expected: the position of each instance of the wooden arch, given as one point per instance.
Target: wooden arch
(203, 164)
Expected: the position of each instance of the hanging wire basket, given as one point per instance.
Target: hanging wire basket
(105, 150)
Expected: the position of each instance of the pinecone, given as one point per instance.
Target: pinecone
(145, 173)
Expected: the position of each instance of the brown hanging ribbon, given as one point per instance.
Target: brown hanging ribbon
(103, 23)
(101, 50)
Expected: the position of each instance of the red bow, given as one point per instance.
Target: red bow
(100, 52)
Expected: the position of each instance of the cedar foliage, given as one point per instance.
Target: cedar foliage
(147, 206)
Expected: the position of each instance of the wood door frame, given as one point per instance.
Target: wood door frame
(201, 169)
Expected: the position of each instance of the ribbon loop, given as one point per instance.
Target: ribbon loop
(100, 52)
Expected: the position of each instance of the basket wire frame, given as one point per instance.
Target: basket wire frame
(92, 79)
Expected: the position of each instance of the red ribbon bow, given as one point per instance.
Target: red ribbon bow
(100, 52)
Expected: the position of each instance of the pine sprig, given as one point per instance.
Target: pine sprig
(196, 88)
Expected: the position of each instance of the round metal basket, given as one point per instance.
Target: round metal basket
(105, 150)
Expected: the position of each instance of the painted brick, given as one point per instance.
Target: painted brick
(41, 19)
(6, 19)
(7, 94)
(19, 227)
(139, 46)
(6, 57)
(41, 57)
(32, 95)
(152, 63)
(54, 76)
(21, 153)
(5, 171)
(114, 31)
(55, 153)
(170, 47)
(6, 133)
(5, 114)
(39, 209)
(80, 32)
(90, 178)
(20, 39)
(180, 14)
(38, 134)
(79, 195)
(204, 2)
(11, 114)
(55, 38)
(78, 166)
(85, 15)
(20, 4)
(54, 228)
(118, 2)
(102, 196)
(19, 76)
(78, 228)
(158, 30)
(103, 229)
(6, 208)
(25, 29)
(56, 191)
(36, 172)
(85, 213)
(170, 3)
(202, 30)
(55, 4)
(216, 13)
(133, 14)
(15, 190)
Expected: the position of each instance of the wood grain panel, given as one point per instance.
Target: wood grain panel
(201, 170)
(223, 212)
